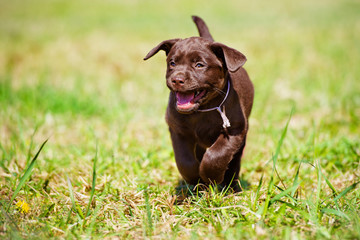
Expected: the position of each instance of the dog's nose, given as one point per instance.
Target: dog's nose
(178, 80)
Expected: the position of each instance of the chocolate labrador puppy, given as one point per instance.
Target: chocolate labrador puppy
(209, 105)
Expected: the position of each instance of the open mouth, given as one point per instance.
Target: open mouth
(186, 101)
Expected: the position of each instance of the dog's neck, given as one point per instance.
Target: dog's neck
(226, 122)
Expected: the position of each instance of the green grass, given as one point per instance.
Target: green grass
(72, 73)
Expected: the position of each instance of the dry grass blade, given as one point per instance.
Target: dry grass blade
(235, 206)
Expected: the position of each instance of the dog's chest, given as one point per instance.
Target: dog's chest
(206, 129)
(206, 137)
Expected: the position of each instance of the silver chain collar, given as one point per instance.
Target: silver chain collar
(226, 122)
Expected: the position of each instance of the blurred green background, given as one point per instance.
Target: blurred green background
(67, 63)
(73, 71)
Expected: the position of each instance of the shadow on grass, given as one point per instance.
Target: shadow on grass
(184, 190)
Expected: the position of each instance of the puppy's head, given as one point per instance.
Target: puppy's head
(196, 69)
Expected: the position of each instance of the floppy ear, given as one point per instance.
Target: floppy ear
(164, 45)
(231, 57)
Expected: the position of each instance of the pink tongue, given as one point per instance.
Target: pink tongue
(184, 99)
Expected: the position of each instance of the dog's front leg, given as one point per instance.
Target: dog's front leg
(184, 150)
(217, 157)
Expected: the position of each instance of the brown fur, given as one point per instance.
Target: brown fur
(204, 150)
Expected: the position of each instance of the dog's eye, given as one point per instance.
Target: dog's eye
(199, 65)
(172, 63)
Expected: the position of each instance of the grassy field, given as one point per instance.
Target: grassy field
(72, 72)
